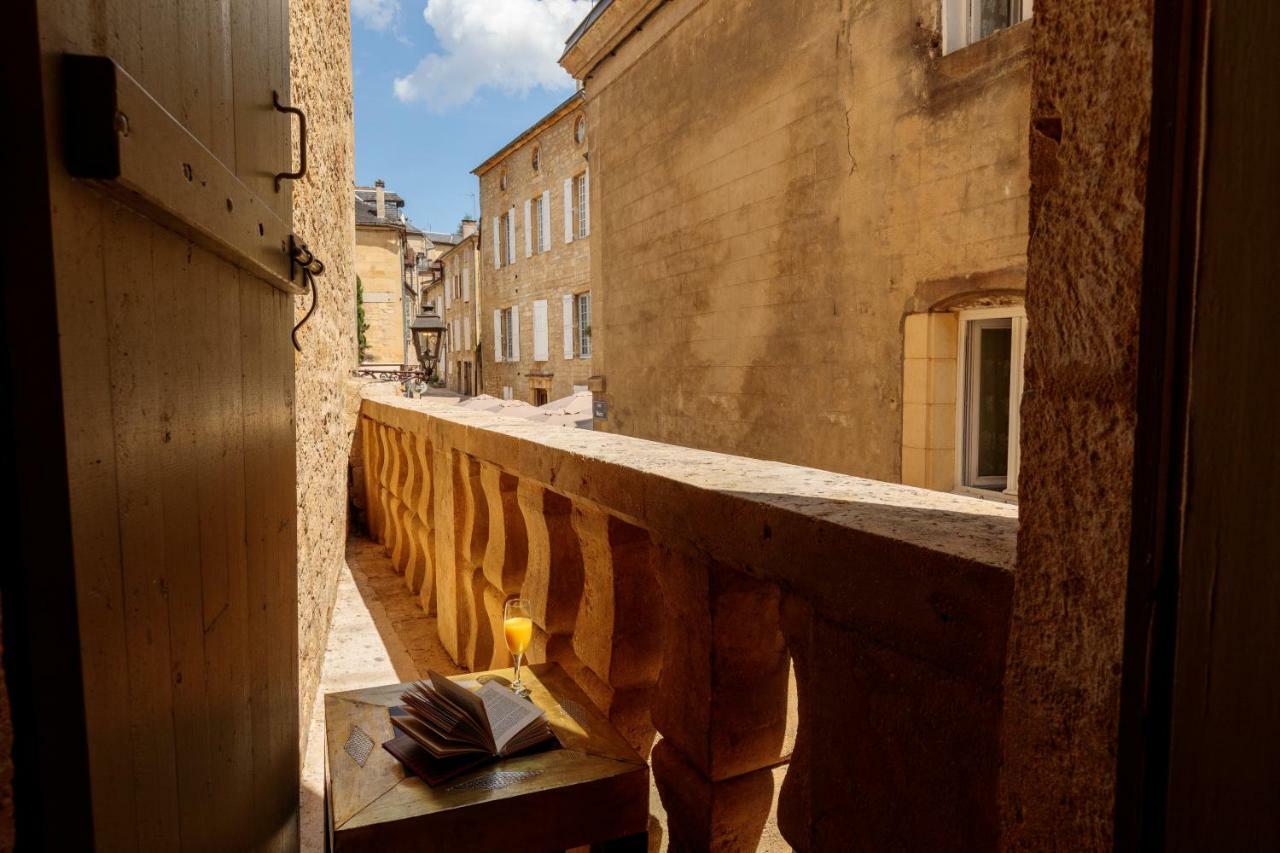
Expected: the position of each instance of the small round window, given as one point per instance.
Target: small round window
(536, 158)
(502, 181)
(580, 130)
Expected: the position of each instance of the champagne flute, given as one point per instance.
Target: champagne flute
(517, 625)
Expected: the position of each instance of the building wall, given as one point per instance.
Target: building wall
(759, 246)
(319, 37)
(378, 263)
(462, 315)
(1092, 109)
(550, 276)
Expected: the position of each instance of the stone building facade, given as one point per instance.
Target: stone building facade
(392, 257)
(461, 272)
(794, 270)
(535, 206)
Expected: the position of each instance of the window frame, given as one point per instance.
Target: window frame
(960, 22)
(507, 317)
(535, 226)
(580, 206)
(966, 384)
(581, 334)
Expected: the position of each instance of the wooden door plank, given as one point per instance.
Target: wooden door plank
(127, 244)
(255, 34)
(91, 469)
(226, 595)
(182, 272)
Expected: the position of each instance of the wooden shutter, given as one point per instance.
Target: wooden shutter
(540, 348)
(568, 326)
(568, 210)
(544, 235)
(515, 332)
(497, 243)
(528, 228)
(586, 201)
(497, 335)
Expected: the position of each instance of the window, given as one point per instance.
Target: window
(537, 225)
(582, 324)
(539, 396)
(967, 21)
(991, 346)
(503, 239)
(580, 130)
(502, 180)
(508, 334)
(580, 202)
(535, 159)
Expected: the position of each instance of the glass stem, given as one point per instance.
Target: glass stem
(519, 657)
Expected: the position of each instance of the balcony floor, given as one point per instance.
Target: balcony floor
(379, 635)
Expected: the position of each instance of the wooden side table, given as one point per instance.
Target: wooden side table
(594, 791)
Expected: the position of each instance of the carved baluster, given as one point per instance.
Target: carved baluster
(506, 554)
(448, 506)
(399, 535)
(371, 461)
(385, 526)
(424, 510)
(411, 549)
(553, 579)
(469, 543)
(618, 637)
(720, 704)
(795, 812)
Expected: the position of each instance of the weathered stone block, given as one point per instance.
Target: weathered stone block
(553, 578)
(728, 815)
(722, 693)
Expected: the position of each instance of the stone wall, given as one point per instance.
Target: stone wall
(561, 271)
(777, 185)
(378, 263)
(320, 64)
(1092, 72)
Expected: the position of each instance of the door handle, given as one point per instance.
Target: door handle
(302, 140)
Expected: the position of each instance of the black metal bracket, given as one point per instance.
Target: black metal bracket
(302, 141)
(303, 260)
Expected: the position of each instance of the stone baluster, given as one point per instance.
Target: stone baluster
(410, 549)
(386, 528)
(618, 637)
(893, 752)
(720, 703)
(372, 461)
(424, 509)
(398, 546)
(506, 554)
(470, 542)
(553, 578)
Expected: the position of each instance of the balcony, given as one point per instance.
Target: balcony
(732, 615)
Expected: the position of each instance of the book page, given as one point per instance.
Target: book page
(508, 713)
(468, 703)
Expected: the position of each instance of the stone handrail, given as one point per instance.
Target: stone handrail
(678, 586)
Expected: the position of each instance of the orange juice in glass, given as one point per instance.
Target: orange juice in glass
(517, 627)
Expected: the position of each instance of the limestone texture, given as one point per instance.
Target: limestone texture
(1091, 113)
(320, 66)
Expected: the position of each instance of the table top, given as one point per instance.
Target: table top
(368, 787)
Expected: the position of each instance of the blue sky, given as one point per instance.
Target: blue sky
(442, 84)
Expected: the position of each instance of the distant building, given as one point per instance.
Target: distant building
(814, 252)
(460, 295)
(393, 260)
(534, 202)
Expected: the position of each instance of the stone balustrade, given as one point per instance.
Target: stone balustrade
(679, 586)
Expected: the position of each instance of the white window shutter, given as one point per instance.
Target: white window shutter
(528, 228)
(497, 244)
(515, 332)
(540, 348)
(568, 210)
(568, 327)
(466, 284)
(586, 198)
(544, 236)
(497, 335)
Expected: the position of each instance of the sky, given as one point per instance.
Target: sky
(440, 85)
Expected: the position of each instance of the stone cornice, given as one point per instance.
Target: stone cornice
(606, 27)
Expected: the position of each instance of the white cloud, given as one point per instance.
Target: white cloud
(376, 14)
(510, 45)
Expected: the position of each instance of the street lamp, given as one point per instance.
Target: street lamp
(428, 335)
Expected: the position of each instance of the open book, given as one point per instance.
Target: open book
(446, 729)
